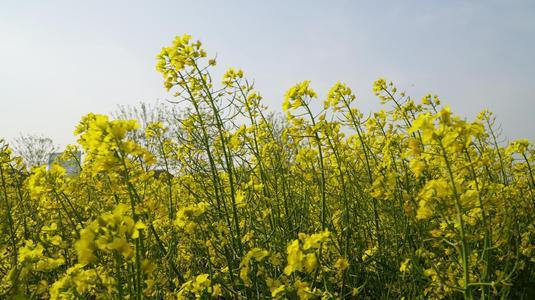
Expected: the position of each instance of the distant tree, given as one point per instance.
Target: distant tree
(168, 114)
(34, 149)
(144, 114)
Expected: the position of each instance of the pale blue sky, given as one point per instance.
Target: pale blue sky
(62, 59)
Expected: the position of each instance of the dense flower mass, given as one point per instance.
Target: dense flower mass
(226, 200)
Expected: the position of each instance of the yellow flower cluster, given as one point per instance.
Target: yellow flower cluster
(110, 233)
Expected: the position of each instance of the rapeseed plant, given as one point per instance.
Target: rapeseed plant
(225, 200)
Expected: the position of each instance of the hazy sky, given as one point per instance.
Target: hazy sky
(62, 59)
